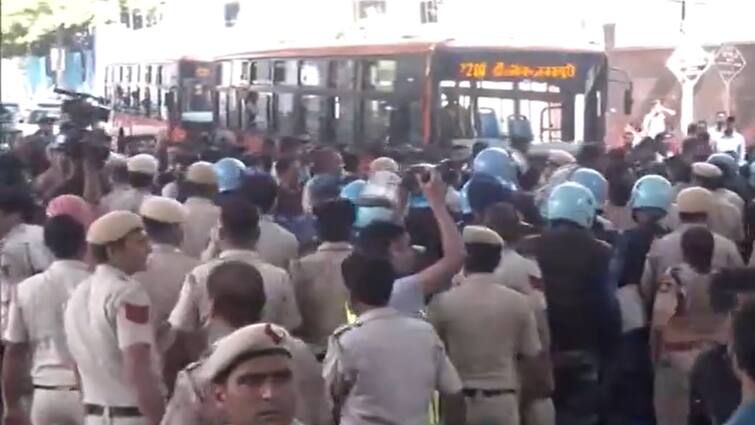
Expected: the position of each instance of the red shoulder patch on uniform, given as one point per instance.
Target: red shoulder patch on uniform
(137, 313)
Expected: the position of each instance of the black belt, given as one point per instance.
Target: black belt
(56, 387)
(472, 392)
(112, 411)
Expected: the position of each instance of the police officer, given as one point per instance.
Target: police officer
(275, 244)
(35, 330)
(108, 328)
(598, 185)
(142, 169)
(201, 185)
(238, 296)
(116, 170)
(582, 311)
(22, 249)
(252, 375)
(317, 279)
(486, 327)
(694, 205)
(238, 233)
(368, 378)
(724, 218)
(684, 324)
(167, 266)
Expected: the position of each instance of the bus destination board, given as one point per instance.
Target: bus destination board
(494, 70)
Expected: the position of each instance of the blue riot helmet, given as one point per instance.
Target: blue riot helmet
(725, 162)
(498, 163)
(323, 187)
(594, 181)
(481, 191)
(369, 215)
(352, 190)
(230, 172)
(651, 191)
(572, 202)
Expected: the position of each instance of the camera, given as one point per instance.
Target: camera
(79, 136)
(424, 171)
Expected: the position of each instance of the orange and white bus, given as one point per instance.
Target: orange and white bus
(413, 92)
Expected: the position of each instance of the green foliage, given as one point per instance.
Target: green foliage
(33, 26)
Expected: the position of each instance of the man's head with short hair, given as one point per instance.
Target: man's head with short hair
(261, 190)
(326, 160)
(140, 180)
(592, 155)
(237, 292)
(335, 219)
(369, 280)
(697, 248)
(743, 343)
(16, 204)
(239, 223)
(388, 240)
(65, 237)
(502, 218)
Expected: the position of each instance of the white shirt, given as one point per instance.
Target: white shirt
(733, 143)
(389, 366)
(106, 314)
(22, 254)
(37, 318)
(192, 311)
(515, 271)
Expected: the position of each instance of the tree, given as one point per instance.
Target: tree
(34, 26)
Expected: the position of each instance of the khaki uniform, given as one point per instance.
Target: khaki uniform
(517, 271)
(192, 404)
(127, 200)
(106, 314)
(192, 311)
(116, 193)
(686, 326)
(167, 268)
(726, 220)
(667, 252)
(36, 318)
(321, 293)
(202, 216)
(22, 254)
(384, 368)
(485, 327)
(731, 197)
(276, 245)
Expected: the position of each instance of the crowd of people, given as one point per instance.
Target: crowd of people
(312, 285)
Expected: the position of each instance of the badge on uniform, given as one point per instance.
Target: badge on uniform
(137, 313)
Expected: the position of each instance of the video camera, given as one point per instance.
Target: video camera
(79, 133)
(445, 168)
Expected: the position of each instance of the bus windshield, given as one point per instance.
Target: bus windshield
(559, 93)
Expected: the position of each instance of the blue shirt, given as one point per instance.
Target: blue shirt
(407, 296)
(745, 415)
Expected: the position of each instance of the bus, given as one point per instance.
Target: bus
(422, 93)
(152, 98)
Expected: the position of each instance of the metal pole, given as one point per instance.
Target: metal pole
(688, 103)
(727, 97)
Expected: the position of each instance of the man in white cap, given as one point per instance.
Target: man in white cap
(110, 336)
(252, 373)
(35, 339)
(167, 266)
(201, 185)
(142, 169)
(725, 218)
(486, 327)
(694, 205)
(238, 296)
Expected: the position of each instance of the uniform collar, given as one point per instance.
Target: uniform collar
(377, 313)
(108, 269)
(235, 253)
(484, 278)
(198, 200)
(69, 264)
(164, 248)
(334, 246)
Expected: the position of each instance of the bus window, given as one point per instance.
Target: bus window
(128, 74)
(379, 75)
(284, 113)
(343, 74)
(148, 74)
(393, 122)
(224, 104)
(314, 73)
(226, 79)
(159, 74)
(319, 116)
(344, 119)
(259, 72)
(455, 120)
(138, 73)
(135, 102)
(286, 72)
(147, 102)
(161, 114)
